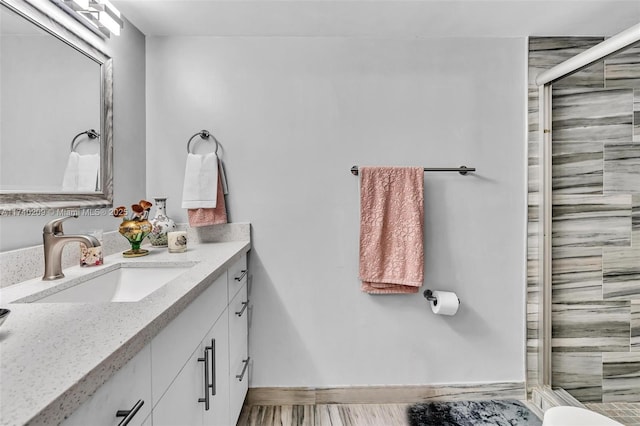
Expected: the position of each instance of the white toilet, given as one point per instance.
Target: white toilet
(576, 416)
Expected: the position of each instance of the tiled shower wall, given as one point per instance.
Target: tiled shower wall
(596, 222)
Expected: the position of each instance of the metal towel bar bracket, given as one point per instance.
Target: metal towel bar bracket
(204, 134)
(463, 170)
(92, 134)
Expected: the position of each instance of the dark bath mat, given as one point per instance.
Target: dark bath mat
(472, 413)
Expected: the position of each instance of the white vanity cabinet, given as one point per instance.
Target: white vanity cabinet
(183, 355)
(199, 394)
(238, 337)
(217, 361)
(175, 344)
(193, 372)
(129, 389)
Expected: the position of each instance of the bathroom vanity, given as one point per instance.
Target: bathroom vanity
(178, 355)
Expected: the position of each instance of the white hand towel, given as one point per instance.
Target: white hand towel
(70, 178)
(200, 181)
(81, 173)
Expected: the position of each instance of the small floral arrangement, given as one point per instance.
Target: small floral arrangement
(139, 211)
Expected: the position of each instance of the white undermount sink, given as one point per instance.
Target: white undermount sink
(122, 284)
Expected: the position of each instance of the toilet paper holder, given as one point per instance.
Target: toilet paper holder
(428, 294)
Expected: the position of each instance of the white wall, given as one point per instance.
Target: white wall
(294, 114)
(128, 52)
(43, 108)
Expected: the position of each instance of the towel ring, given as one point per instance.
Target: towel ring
(204, 134)
(91, 133)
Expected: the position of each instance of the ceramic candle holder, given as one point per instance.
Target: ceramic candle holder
(177, 241)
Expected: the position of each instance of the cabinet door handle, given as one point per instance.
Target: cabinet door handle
(244, 272)
(244, 369)
(206, 378)
(213, 367)
(244, 307)
(129, 414)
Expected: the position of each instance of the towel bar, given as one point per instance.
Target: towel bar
(463, 170)
(204, 134)
(91, 133)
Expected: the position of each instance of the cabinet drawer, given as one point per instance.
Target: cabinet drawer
(171, 348)
(237, 393)
(238, 273)
(238, 327)
(121, 392)
(238, 353)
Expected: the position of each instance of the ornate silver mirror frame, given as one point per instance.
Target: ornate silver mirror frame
(15, 203)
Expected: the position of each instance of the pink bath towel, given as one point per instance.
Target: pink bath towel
(210, 216)
(391, 229)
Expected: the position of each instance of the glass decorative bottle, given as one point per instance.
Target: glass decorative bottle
(162, 224)
(135, 230)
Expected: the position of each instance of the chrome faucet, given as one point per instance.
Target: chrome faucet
(54, 240)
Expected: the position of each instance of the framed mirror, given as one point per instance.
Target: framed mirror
(56, 110)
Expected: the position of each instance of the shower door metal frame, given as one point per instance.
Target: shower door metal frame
(545, 80)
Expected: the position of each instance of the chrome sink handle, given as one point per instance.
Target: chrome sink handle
(55, 226)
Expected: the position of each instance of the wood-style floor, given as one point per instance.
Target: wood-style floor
(324, 415)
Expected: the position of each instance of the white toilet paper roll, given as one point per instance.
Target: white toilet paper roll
(446, 303)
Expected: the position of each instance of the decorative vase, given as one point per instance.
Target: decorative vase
(162, 224)
(135, 230)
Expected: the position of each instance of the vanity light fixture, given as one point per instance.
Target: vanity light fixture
(100, 16)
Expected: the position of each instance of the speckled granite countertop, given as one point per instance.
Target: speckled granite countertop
(53, 356)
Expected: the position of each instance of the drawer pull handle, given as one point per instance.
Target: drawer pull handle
(244, 369)
(206, 378)
(213, 367)
(129, 414)
(244, 308)
(244, 272)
